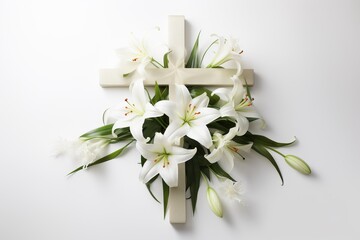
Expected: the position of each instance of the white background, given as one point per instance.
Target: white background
(306, 57)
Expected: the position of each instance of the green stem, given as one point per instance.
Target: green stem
(154, 64)
(207, 51)
(159, 64)
(274, 150)
(206, 181)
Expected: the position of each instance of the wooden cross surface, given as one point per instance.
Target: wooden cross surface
(177, 74)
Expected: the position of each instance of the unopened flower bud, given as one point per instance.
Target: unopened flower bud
(214, 202)
(298, 164)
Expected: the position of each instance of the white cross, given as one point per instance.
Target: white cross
(177, 74)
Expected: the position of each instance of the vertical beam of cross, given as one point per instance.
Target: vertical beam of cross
(176, 42)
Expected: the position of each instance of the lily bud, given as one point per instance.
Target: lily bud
(214, 202)
(298, 164)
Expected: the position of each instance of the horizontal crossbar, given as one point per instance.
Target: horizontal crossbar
(111, 77)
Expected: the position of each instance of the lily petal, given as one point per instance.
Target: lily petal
(223, 93)
(238, 91)
(250, 112)
(201, 134)
(242, 124)
(215, 156)
(148, 151)
(245, 148)
(206, 116)
(138, 94)
(228, 110)
(148, 171)
(227, 161)
(167, 107)
(120, 124)
(170, 174)
(136, 129)
(175, 131)
(180, 155)
(183, 98)
(200, 101)
(111, 115)
(151, 111)
(232, 133)
(126, 65)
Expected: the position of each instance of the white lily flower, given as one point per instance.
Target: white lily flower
(238, 105)
(189, 116)
(233, 190)
(224, 149)
(133, 112)
(139, 53)
(163, 158)
(228, 50)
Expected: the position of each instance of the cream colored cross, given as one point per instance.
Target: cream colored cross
(177, 74)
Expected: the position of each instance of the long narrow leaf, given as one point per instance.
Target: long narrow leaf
(262, 151)
(268, 142)
(166, 59)
(104, 159)
(221, 172)
(165, 195)
(193, 60)
(101, 131)
(193, 175)
(157, 95)
(148, 186)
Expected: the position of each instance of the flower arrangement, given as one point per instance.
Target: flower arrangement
(208, 130)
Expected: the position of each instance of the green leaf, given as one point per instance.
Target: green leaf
(101, 131)
(158, 95)
(193, 176)
(148, 186)
(143, 160)
(262, 140)
(221, 172)
(262, 151)
(222, 125)
(165, 195)
(242, 139)
(166, 59)
(247, 89)
(193, 61)
(207, 51)
(151, 127)
(164, 92)
(251, 119)
(206, 171)
(104, 159)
